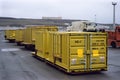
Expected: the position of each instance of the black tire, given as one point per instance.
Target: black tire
(113, 44)
(32, 47)
(18, 44)
(5, 37)
(26, 47)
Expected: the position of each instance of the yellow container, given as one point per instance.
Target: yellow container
(27, 36)
(78, 52)
(10, 34)
(41, 43)
(29, 33)
(19, 35)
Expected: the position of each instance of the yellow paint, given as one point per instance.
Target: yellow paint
(95, 53)
(80, 52)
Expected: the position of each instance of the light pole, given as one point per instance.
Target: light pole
(95, 18)
(114, 3)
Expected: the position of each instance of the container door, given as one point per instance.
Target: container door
(97, 58)
(78, 49)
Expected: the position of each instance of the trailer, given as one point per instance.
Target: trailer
(73, 52)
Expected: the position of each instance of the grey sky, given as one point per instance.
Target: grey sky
(67, 9)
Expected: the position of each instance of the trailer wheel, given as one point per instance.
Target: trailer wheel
(5, 37)
(113, 44)
(18, 43)
(26, 47)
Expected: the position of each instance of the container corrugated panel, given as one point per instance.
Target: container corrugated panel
(42, 28)
(42, 44)
(29, 37)
(76, 52)
(39, 44)
(16, 34)
(19, 35)
(50, 54)
(10, 34)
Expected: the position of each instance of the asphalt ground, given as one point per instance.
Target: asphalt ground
(17, 63)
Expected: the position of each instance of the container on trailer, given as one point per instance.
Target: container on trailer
(10, 35)
(42, 44)
(30, 33)
(19, 36)
(78, 51)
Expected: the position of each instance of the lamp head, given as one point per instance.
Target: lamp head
(114, 3)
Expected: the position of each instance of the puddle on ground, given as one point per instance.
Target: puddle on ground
(10, 49)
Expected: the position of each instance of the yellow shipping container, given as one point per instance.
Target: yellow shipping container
(41, 43)
(78, 52)
(30, 33)
(10, 35)
(19, 36)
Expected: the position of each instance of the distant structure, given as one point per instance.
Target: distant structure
(58, 18)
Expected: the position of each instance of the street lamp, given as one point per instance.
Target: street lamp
(114, 3)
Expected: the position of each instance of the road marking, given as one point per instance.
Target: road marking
(10, 49)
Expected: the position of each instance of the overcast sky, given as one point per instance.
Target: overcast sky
(67, 9)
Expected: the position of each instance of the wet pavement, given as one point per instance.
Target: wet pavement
(16, 63)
